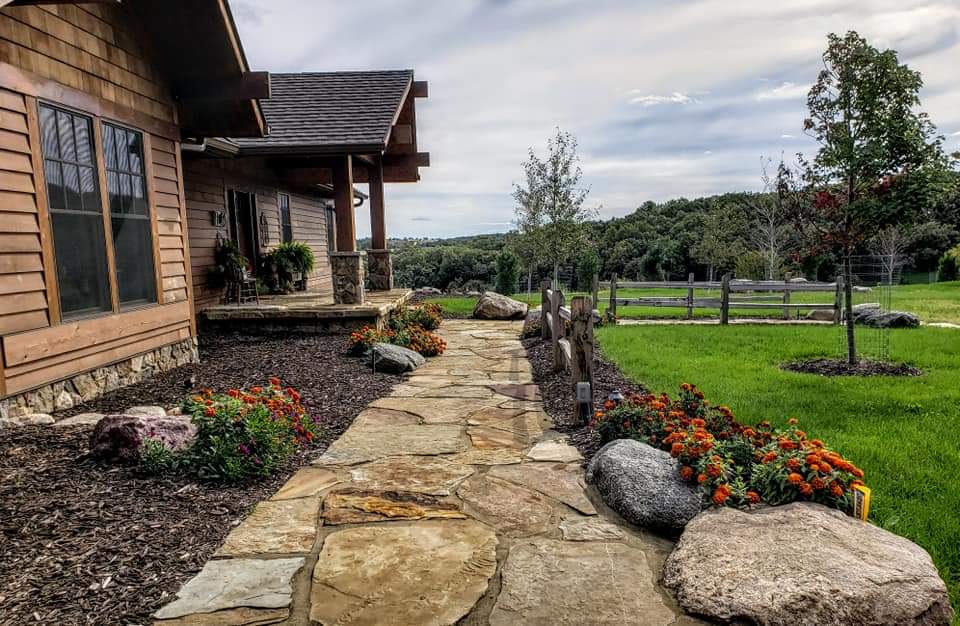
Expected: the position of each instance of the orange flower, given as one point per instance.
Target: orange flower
(686, 472)
(793, 464)
(753, 497)
(714, 471)
(769, 457)
(818, 483)
(720, 497)
(209, 412)
(836, 490)
(676, 449)
(701, 478)
(825, 467)
(794, 479)
(856, 471)
(806, 488)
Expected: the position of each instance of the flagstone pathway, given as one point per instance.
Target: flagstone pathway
(449, 501)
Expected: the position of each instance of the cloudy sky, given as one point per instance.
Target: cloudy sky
(667, 98)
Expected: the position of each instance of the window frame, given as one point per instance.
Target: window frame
(55, 309)
(288, 225)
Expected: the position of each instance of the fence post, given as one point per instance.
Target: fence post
(690, 296)
(838, 301)
(558, 329)
(786, 300)
(581, 349)
(544, 309)
(725, 299)
(612, 307)
(595, 288)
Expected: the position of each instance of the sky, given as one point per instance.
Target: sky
(667, 98)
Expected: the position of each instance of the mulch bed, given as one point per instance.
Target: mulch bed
(558, 394)
(840, 367)
(85, 543)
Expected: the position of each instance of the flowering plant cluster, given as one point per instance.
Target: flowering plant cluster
(411, 328)
(734, 464)
(242, 434)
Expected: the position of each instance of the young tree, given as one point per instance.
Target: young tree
(508, 272)
(551, 201)
(769, 231)
(889, 244)
(588, 266)
(877, 156)
(722, 241)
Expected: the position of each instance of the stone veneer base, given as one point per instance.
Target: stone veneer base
(66, 394)
(347, 269)
(380, 270)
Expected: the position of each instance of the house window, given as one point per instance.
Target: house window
(76, 212)
(286, 226)
(129, 215)
(331, 230)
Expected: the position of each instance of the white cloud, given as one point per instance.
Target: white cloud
(787, 136)
(956, 134)
(786, 91)
(653, 100)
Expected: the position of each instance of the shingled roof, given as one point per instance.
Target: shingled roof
(325, 112)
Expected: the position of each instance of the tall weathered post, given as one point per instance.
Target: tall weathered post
(544, 308)
(595, 288)
(581, 354)
(556, 301)
(690, 296)
(725, 299)
(612, 307)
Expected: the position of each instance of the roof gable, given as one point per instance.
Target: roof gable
(323, 112)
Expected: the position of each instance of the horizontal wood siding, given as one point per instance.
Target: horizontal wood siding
(23, 296)
(205, 184)
(93, 49)
(87, 47)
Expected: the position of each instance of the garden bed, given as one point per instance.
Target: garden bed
(840, 367)
(558, 395)
(85, 543)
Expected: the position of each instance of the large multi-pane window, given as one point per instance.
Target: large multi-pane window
(76, 212)
(129, 215)
(80, 230)
(286, 224)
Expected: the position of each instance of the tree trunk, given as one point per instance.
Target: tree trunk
(848, 307)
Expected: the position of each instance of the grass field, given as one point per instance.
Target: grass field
(902, 431)
(939, 302)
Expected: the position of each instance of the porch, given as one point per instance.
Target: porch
(306, 311)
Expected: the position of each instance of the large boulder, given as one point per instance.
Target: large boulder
(872, 315)
(643, 485)
(493, 306)
(393, 359)
(803, 563)
(820, 315)
(120, 437)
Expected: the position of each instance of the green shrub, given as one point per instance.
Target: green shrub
(950, 264)
(508, 272)
(410, 327)
(157, 459)
(751, 266)
(244, 434)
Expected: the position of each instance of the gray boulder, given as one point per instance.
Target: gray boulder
(428, 291)
(802, 564)
(121, 437)
(493, 306)
(870, 314)
(821, 315)
(643, 485)
(393, 359)
(30, 419)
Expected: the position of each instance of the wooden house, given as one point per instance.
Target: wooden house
(95, 100)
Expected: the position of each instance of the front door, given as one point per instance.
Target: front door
(243, 223)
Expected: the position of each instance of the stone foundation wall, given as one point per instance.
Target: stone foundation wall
(347, 277)
(380, 270)
(65, 394)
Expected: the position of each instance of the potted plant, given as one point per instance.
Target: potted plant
(298, 258)
(229, 263)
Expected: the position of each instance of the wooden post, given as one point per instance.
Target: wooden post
(786, 300)
(612, 307)
(595, 287)
(378, 221)
(558, 329)
(838, 301)
(581, 346)
(343, 204)
(690, 296)
(725, 300)
(544, 309)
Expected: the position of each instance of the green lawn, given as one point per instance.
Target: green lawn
(902, 431)
(938, 302)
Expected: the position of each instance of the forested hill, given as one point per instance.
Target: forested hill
(668, 240)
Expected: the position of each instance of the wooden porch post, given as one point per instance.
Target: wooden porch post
(346, 263)
(343, 204)
(379, 263)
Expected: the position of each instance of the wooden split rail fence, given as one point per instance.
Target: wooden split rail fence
(569, 329)
(775, 295)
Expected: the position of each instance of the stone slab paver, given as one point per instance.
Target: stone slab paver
(412, 502)
(431, 573)
(567, 583)
(308, 481)
(436, 476)
(235, 583)
(358, 506)
(275, 527)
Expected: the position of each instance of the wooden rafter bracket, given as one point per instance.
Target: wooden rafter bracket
(420, 89)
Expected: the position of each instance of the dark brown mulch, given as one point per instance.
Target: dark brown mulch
(84, 543)
(839, 367)
(558, 394)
